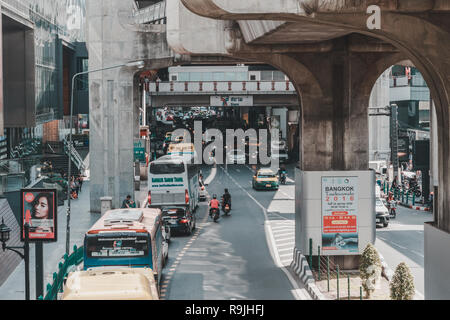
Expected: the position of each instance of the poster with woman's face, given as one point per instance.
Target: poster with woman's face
(39, 209)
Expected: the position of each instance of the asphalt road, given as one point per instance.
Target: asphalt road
(246, 256)
(234, 258)
(403, 240)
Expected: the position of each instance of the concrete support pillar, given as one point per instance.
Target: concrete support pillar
(114, 102)
(334, 88)
(114, 125)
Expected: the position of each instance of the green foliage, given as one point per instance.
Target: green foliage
(402, 283)
(370, 269)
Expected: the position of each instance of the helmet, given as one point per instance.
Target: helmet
(214, 196)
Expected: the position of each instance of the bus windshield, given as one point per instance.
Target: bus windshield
(117, 246)
(166, 168)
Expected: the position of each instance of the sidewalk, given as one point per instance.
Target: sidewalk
(80, 221)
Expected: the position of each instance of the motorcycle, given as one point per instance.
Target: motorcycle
(214, 214)
(392, 209)
(283, 178)
(415, 189)
(226, 209)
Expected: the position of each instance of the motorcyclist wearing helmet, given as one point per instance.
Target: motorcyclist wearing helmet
(226, 199)
(213, 204)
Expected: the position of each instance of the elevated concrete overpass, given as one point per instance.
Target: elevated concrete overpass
(329, 49)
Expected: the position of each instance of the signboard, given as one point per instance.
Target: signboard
(39, 208)
(139, 150)
(231, 101)
(167, 182)
(339, 215)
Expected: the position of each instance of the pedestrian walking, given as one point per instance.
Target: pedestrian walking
(77, 185)
(80, 181)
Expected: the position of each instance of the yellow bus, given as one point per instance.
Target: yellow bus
(185, 150)
(119, 283)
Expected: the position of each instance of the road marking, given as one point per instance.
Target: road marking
(418, 253)
(200, 226)
(299, 293)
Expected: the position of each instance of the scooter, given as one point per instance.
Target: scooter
(215, 214)
(392, 209)
(283, 177)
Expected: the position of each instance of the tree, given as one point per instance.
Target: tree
(402, 283)
(370, 269)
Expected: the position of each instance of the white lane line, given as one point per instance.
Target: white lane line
(287, 249)
(299, 293)
(401, 247)
(284, 238)
(418, 253)
(284, 232)
(283, 225)
(290, 244)
(180, 255)
(211, 176)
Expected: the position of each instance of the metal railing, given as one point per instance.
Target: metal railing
(64, 267)
(415, 80)
(155, 14)
(76, 158)
(206, 87)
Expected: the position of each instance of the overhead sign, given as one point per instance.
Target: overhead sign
(231, 101)
(339, 215)
(39, 208)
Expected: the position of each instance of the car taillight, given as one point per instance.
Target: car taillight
(186, 195)
(183, 221)
(149, 197)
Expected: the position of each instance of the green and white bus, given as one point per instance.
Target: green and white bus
(173, 180)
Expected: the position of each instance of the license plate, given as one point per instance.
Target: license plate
(268, 185)
(378, 220)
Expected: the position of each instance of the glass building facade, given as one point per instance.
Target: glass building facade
(58, 29)
(54, 21)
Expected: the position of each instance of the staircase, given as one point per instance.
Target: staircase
(60, 163)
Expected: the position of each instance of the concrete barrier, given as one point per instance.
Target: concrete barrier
(300, 267)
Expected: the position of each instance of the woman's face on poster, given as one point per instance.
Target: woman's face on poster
(41, 208)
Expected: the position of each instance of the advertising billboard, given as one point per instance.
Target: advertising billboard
(39, 208)
(339, 215)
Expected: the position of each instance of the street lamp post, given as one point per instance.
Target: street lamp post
(4, 237)
(138, 64)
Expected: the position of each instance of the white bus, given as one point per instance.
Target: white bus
(172, 180)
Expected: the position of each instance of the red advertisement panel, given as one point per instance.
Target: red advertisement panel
(39, 208)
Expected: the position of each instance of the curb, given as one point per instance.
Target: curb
(300, 267)
(388, 274)
(410, 206)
